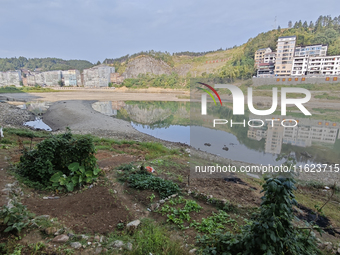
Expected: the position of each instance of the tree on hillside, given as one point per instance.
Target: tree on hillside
(290, 24)
(311, 25)
(305, 25)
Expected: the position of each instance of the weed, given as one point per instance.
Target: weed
(15, 216)
(152, 197)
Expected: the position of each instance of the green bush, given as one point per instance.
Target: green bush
(55, 154)
(271, 231)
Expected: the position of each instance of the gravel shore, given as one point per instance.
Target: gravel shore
(11, 115)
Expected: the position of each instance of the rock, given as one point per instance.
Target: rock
(128, 246)
(339, 250)
(43, 217)
(192, 251)
(102, 239)
(70, 235)
(84, 237)
(97, 238)
(59, 232)
(154, 206)
(146, 64)
(161, 201)
(50, 230)
(116, 244)
(328, 246)
(5, 192)
(174, 195)
(75, 245)
(133, 225)
(60, 239)
(98, 250)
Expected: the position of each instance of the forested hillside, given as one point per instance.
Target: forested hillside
(325, 30)
(46, 64)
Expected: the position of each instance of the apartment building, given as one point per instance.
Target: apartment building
(266, 68)
(260, 55)
(285, 54)
(71, 78)
(49, 78)
(327, 65)
(98, 76)
(10, 78)
(300, 65)
(311, 51)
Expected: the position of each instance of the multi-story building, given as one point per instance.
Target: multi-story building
(49, 78)
(285, 54)
(300, 66)
(71, 78)
(98, 76)
(329, 65)
(52, 78)
(10, 78)
(311, 50)
(266, 68)
(260, 55)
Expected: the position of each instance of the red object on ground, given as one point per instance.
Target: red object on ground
(150, 169)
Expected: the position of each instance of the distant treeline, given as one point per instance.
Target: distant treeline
(45, 64)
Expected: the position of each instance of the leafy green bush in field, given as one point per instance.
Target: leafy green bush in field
(142, 180)
(16, 217)
(78, 176)
(56, 154)
(271, 231)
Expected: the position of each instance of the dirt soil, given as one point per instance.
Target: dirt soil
(235, 193)
(92, 211)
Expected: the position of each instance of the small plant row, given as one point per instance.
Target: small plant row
(139, 178)
(180, 216)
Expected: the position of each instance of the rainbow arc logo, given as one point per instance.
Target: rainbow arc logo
(209, 93)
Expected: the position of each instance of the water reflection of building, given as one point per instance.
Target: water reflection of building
(274, 138)
(303, 135)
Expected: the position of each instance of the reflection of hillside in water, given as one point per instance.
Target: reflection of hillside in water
(104, 108)
(155, 114)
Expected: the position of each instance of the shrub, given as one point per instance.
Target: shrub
(271, 231)
(54, 155)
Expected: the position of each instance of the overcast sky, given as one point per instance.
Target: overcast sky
(99, 29)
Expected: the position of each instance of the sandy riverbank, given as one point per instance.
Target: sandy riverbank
(99, 95)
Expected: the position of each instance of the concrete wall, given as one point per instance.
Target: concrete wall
(291, 80)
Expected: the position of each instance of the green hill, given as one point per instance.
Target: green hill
(45, 64)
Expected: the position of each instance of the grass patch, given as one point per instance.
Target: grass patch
(26, 133)
(327, 96)
(152, 238)
(13, 89)
(331, 210)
